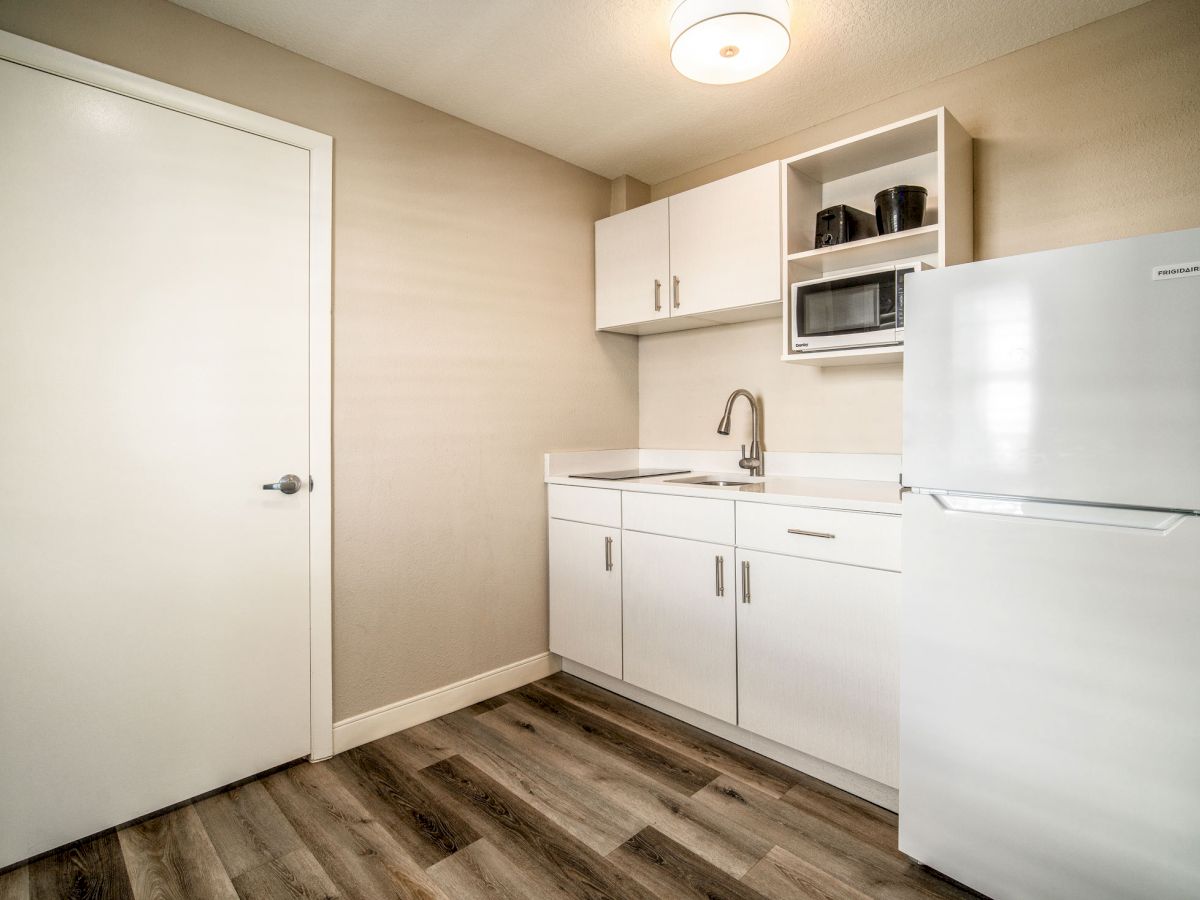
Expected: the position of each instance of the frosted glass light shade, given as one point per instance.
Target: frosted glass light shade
(727, 41)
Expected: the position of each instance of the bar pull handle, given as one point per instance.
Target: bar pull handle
(608, 563)
(816, 534)
(657, 295)
(745, 581)
(720, 576)
(675, 290)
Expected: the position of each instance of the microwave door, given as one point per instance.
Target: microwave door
(854, 313)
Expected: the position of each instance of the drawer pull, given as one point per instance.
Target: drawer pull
(820, 534)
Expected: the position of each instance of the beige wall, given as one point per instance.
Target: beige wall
(463, 344)
(1089, 136)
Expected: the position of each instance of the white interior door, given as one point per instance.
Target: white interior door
(154, 364)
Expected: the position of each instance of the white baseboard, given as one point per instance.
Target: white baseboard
(385, 720)
(859, 785)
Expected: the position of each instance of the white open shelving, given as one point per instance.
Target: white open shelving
(931, 150)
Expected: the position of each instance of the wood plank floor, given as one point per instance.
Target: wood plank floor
(558, 789)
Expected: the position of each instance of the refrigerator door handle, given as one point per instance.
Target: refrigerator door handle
(1157, 520)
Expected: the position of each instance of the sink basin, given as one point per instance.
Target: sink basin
(708, 481)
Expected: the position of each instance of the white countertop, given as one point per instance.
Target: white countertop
(859, 495)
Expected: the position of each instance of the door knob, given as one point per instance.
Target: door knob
(288, 484)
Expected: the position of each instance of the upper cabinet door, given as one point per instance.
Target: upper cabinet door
(632, 266)
(725, 243)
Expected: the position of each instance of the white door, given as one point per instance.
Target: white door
(1051, 726)
(819, 660)
(725, 243)
(585, 594)
(154, 373)
(632, 266)
(1069, 374)
(679, 621)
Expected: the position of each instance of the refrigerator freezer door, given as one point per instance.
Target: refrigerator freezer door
(1050, 716)
(1068, 375)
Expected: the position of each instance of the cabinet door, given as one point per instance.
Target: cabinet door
(725, 243)
(632, 266)
(679, 622)
(818, 660)
(585, 594)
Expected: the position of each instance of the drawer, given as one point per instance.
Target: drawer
(862, 539)
(594, 506)
(686, 517)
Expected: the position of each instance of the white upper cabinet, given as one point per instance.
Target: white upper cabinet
(633, 266)
(725, 243)
(706, 256)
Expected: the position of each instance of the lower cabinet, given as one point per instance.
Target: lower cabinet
(585, 594)
(818, 659)
(680, 621)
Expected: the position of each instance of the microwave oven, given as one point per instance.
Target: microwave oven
(859, 309)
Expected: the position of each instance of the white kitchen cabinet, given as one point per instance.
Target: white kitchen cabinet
(585, 594)
(726, 249)
(633, 266)
(818, 659)
(702, 257)
(679, 623)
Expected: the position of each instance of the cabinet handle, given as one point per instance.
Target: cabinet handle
(675, 290)
(720, 576)
(820, 534)
(745, 581)
(608, 563)
(657, 295)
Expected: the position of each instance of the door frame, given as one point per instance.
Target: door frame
(54, 61)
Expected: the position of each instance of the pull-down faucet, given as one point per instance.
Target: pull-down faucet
(753, 462)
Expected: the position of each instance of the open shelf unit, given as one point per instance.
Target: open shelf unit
(931, 150)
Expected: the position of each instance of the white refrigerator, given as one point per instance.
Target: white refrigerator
(1050, 687)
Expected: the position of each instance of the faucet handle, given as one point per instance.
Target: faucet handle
(743, 451)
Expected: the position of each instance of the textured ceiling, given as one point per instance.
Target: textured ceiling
(591, 82)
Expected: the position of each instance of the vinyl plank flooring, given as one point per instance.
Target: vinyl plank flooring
(592, 767)
(725, 756)
(844, 856)
(88, 870)
(514, 825)
(486, 705)
(171, 857)
(871, 823)
(417, 819)
(416, 747)
(482, 872)
(577, 808)
(246, 828)
(358, 854)
(556, 790)
(672, 769)
(14, 884)
(783, 874)
(670, 870)
(293, 876)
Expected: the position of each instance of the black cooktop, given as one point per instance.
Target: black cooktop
(624, 474)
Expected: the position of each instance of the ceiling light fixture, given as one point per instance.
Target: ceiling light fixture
(727, 41)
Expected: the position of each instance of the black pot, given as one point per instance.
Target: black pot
(900, 208)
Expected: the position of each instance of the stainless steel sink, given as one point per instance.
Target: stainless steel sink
(708, 481)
